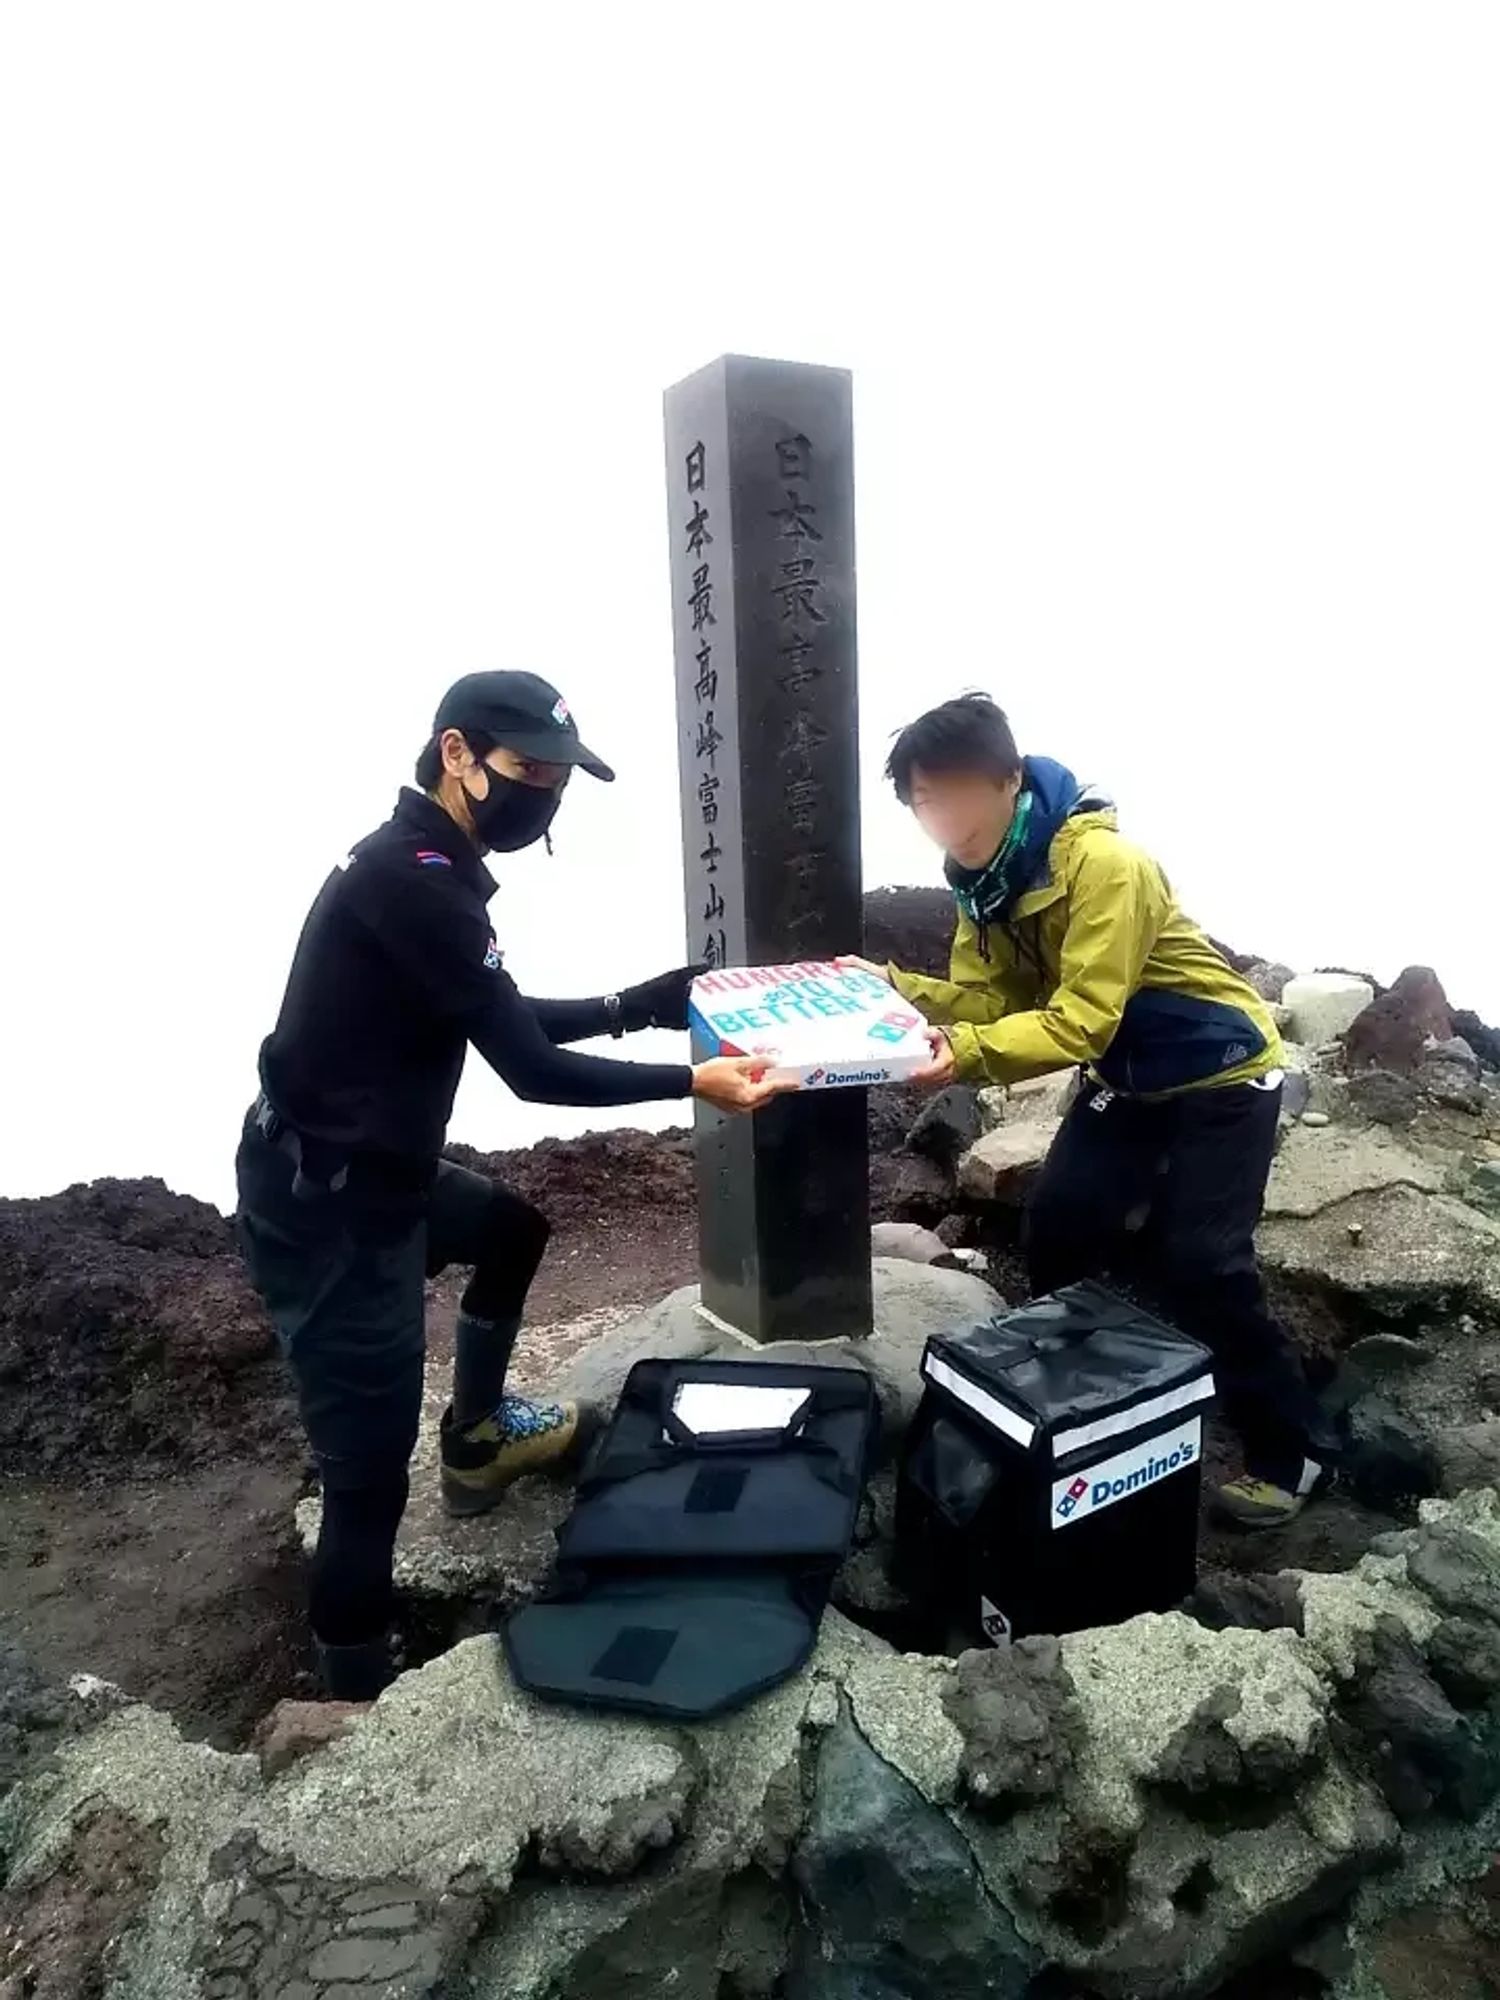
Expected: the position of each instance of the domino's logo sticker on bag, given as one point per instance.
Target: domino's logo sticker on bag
(1067, 1507)
(996, 1626)
(1126, 1474)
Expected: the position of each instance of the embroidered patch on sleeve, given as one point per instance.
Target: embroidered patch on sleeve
(429, 858)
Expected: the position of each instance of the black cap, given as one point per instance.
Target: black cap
(522, 712)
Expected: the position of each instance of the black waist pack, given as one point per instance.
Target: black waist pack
(711, 1519)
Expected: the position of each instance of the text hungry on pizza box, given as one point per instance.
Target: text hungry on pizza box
(821, 1025)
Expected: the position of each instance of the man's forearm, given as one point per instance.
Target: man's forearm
(1074, 1028)
(512, 1040)
(944, 1003)
(541, 1073)
(564, 1021)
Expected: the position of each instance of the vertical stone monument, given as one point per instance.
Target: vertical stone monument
(760, 495)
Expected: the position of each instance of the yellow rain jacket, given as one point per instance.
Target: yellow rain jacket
(1095, 964)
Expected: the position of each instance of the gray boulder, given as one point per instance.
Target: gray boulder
(1468, 1455)
(1270, 980)
(1323, 1005)
(1463, 1657)
(1381, 1359)
(1484, 1186)
(1359, 1211)
(909, 1242)
(1423, 1753)
(1015, 1709)
(1258, 1603)
(894, 1901)
(1296, 1094)
(1455, 1050)
(1452, 1085)
(1390, 1456)
(1314, 1172)
(1206, 1759)
(1004, 1164)
(921, 1191)
(1459, 1569)
(1396, 1247)
(38, 1715)
(1143, 1878)
(1384, 1097)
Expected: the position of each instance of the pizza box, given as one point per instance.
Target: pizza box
(823, 1026)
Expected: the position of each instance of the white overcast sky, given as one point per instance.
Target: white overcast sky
(332, 346)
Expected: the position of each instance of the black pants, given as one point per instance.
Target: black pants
(342, 1270)
(1167, 1196)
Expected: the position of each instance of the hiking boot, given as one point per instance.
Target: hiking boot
(519, 1437)
(1261, 1501)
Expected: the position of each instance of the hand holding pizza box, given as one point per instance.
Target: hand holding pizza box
(821, 1025)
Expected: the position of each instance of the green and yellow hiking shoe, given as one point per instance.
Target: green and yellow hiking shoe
(519, 1437)
(1257, 1502)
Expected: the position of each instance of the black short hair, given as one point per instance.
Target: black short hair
(970, 734)
(430, 762)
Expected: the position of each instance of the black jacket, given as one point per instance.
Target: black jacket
(397, 970)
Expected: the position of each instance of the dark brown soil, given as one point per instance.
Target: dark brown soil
(186, 1591)
(912, 928)
(128, 1332)
(1441, 1953)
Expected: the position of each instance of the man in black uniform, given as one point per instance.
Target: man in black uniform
(345, 1207)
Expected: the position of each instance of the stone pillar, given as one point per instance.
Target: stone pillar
(760, 493)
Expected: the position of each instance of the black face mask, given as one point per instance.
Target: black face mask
(512, 815)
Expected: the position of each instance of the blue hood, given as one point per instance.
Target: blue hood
(1050, 794)
(1056, 795)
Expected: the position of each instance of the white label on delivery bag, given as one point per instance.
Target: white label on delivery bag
(1126, 1474)
(820, 1025)
(994, 1623)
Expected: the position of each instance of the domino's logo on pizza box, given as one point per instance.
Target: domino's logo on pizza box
(823, 1026)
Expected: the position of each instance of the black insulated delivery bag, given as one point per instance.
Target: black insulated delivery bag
(1051, 1478)
(712, 1516)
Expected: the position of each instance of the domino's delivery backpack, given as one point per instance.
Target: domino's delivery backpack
(711, 1519)
(1051, 1478)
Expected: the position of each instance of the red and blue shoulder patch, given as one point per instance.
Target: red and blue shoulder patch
(428, 857)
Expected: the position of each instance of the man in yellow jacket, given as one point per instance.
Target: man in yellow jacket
(1071, 952)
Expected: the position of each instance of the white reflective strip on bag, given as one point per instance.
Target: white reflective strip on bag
(994, 1412)
(1121, 1421)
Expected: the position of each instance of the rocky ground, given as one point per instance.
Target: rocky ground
(152, 1475)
